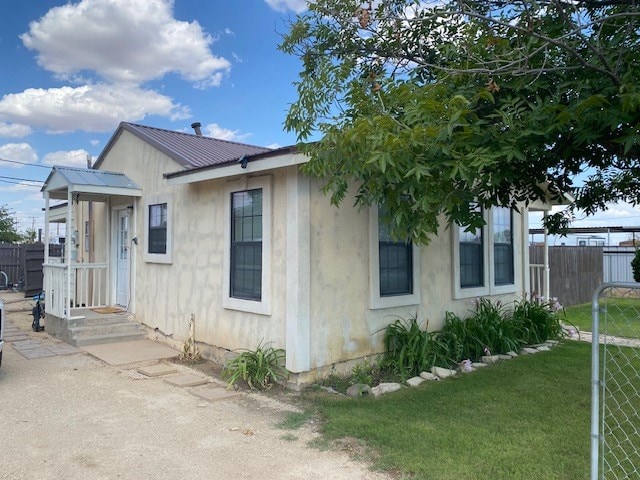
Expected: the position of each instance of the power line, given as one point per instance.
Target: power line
(24, 163)
(39, 182)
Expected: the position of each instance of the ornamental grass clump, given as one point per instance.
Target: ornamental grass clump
(260, 368)
(539, 319)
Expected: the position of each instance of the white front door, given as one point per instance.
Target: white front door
(123, 253)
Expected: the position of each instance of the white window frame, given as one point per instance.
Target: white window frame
(262, 306)
(489, 287)
(166, 258)
(376, 301)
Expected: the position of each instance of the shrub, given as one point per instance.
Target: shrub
(538, 319)
(410, 350)
(260, 368)
(635, 266)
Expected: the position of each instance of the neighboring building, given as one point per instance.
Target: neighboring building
(235, 234)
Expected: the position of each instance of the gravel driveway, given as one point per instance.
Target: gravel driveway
(75, 417)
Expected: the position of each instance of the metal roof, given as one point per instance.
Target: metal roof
(189, 150)
(96, 178)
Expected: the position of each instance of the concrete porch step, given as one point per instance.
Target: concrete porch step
(104, 329)
(97, 320)
(107, 338)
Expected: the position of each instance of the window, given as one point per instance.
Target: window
(502, 246)
(158, 228)
(247, 247)
(395, 264)
(484, 260)
(87, 237)
(394, 267)
(246, 244)
(158, 221)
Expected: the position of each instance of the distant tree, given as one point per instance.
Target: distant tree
(30, 236)
(436, 107)
(8, 232)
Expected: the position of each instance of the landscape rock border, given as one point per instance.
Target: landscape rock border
(439, 373)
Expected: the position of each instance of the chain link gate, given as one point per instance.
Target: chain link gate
(615, 362)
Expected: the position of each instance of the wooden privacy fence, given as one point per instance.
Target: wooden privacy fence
(574, 272)
(23, 266)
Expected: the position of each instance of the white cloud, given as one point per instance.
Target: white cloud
(14, 130)
(297, 6)
(71, 158)
(94, 142)
(274, 146)
(23, 187)
(216, 131)
(124, 41)
(92, 108)
(228, 31)
(20, 152)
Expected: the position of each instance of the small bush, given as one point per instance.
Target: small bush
(635, 266)
(538, 319)
(260, 368)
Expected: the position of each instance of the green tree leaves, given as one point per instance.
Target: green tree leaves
(428, 108)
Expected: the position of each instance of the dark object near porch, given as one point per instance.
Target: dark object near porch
(38, 313)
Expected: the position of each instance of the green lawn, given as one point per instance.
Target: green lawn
(622, 316)
(523, 419)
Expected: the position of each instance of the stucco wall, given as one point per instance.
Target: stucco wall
(343, 326)
(328, 322)
(167, 294)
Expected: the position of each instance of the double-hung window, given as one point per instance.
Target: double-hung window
(246, 244)
(484, 258)
(158, 229)
(247, 258)
(394, 267)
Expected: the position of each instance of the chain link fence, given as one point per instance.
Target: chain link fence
(615, 419)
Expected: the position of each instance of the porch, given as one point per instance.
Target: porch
(84, 279)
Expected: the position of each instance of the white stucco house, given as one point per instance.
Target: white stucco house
(168, 224)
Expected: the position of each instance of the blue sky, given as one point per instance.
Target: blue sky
(72, 70)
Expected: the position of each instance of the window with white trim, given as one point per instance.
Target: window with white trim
(158, 228)
(484, 259)
(247, 259)
(393, 265)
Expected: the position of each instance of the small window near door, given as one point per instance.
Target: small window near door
(158, 228)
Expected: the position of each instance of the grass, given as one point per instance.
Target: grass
(523, 419)
(622, 317)
(294, 420)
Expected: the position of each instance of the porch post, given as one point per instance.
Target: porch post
(546, 256)
(68, 233)
(46, 227)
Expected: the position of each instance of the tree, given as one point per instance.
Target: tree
(8, 232)
(434, 108)
(30, 235)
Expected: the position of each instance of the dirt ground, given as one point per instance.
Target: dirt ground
(75, 417)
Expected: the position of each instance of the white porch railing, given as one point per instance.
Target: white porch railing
(88, 287)
(536, 278)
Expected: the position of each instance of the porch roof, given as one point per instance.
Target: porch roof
(88, 184)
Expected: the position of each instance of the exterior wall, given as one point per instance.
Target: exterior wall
(343, 326)
(320, 268)
(167, 294)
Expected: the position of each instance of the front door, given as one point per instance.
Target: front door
(123, 264)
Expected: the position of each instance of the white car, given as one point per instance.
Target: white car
(1, 329)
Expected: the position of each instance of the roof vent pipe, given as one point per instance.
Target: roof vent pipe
(196, 126)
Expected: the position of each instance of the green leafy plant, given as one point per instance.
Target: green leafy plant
(635, 266)
(538, 319)
(362, 373)
(410, 350)
(260, 368)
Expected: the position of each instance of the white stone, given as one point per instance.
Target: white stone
(526, 350)
(385, 388)
(443, 372)
(553, 342)
(512, 354)
(490, 359)
(479, 365)
(429, 376)
(468, 369)
(415, 381)
(505, 357)
(543, 348)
